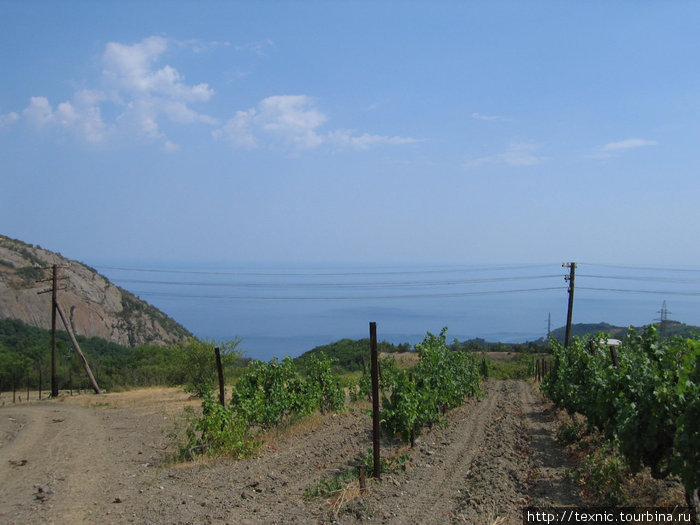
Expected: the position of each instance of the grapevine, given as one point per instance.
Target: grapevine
(648, 405)
(442, 379)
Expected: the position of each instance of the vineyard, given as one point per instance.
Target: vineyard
(287, 443)
(643, 396)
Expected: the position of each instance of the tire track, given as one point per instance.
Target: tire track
(430, 494)
(54, 466)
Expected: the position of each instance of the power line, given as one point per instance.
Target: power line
(640, 278)
(340, 298)
(317, 273)
(643, 267)
(662, 292)
(389, 284)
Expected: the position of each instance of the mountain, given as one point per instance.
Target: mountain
(95, 307)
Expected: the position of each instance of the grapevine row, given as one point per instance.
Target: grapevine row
(441, 379)
(644, 396)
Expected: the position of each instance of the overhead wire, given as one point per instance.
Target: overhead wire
(290, 273)
(343, 298)
(389, 284)
(315, 276)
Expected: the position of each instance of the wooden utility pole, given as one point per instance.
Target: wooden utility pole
(569, 314)
(95, 387)
(376, 428)
(54, 289)
(56, 308)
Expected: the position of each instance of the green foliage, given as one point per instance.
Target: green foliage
(269, 393)
(520, 367)
(323, 385)
(648, 408)
(600, 470)
(442, 379)
(348, 354)
(198, 364)
(115, 366)
(686, 443)
(220, 431)
(13, 369)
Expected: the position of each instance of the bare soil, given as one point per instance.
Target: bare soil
(104, 459)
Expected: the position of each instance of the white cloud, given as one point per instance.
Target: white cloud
(292, 119)
(137, 96)
(130, 68)
(81, 115)
(39, 112)
(8, 119)
(518, 154)
(147, 94)
(612, 149)
(628, 144)
(259, 48)
(289, 120)
(345, 138)
(293, 122)
(143, 95)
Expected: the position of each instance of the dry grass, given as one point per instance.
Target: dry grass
(152, 399)
(501, 356)
(402, 359)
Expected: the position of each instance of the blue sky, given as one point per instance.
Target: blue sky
(353, 132)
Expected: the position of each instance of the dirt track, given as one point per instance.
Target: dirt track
(62, 463)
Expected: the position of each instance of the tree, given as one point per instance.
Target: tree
(14, 368)
(198, 363)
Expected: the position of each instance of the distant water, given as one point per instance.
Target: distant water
(281, 310)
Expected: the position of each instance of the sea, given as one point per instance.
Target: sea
(285, 309)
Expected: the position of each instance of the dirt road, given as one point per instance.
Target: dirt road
(102, 462)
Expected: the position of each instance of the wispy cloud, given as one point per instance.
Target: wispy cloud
(202, 46)
(490, 118)
(292, 122)
(517, 154)
(612, 149)
(348, 139)
(628, 144)
(259, 47)
(8, 119)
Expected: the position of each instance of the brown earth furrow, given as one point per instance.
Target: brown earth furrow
(105, 461)
(428, 492)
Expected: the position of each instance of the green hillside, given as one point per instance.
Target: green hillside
(349, 353)
(666, 329)
(25, 356)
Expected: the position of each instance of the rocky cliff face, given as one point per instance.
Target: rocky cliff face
(96, 307)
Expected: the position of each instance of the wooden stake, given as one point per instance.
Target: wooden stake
(376, 428)
(220, 369)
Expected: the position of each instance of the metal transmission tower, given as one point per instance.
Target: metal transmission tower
(663, 318)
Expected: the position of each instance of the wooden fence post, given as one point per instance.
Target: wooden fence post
(376, 428)
(220, 369)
